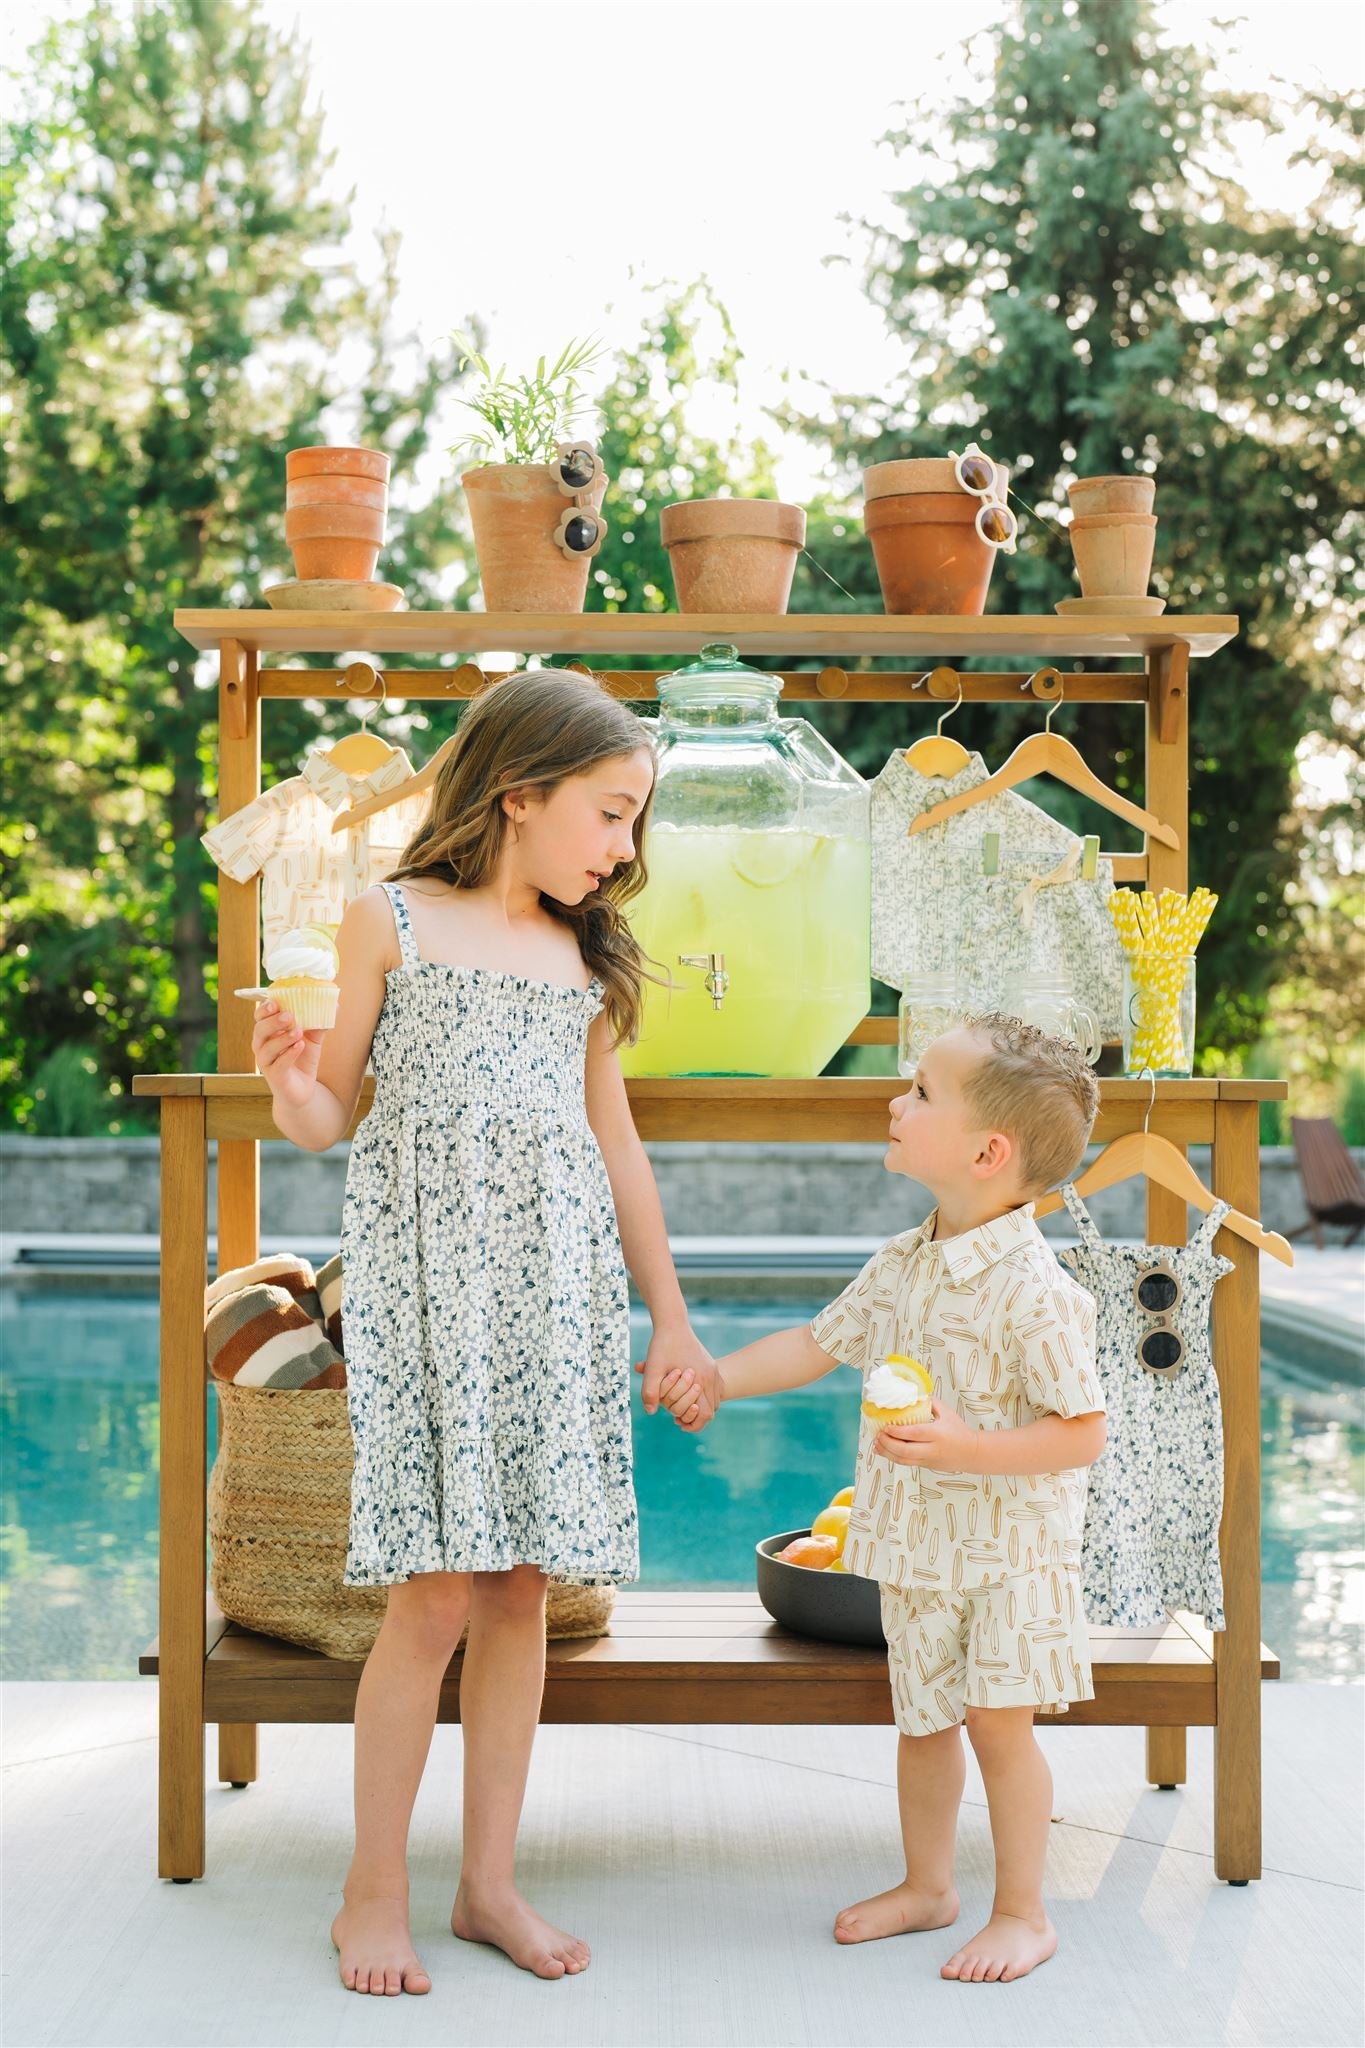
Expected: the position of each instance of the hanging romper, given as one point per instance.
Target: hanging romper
(1155, 1496)
(486, 1308)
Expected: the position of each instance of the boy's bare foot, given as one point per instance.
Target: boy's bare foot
(377, 1955)
(902, 1910)
(505, 1920)
(1005, 1948)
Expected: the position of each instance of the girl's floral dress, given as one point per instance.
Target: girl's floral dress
(486, 1309)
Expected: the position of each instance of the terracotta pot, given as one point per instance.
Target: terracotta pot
(732, 554)
(1095, 495)
(333, 558)
(1113, 552)
(360, 462)
(930, 557)
(515, 509)
(335, 490)
(347, 522)
(896, 479)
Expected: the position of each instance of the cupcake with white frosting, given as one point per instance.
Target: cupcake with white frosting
(896, 1393)
(302, 968)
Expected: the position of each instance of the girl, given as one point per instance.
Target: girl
(486, 1303)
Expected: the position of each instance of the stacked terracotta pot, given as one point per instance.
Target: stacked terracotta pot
(336, 500)
(1113, 533)
(732, 554)
(922, 526)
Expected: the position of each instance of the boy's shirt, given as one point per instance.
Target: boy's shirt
(1007, 1336)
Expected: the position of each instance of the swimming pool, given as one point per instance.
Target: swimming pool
(79, 1495)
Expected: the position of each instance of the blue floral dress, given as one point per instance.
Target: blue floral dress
(486, 1307)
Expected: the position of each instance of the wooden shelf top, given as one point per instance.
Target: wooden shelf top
(824, 634)
(708, 1088)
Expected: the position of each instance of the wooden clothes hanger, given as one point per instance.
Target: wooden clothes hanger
(1156, 1158)
(360, 753)
(936, 756)
(412, 785)
(1047, 753)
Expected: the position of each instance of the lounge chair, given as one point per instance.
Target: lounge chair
(1333, 1190)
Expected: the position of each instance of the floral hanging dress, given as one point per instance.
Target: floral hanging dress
(1155, 1494)
(486, 1308)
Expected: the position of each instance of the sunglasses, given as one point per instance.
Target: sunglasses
(575, 469)
(1161, 1349)
(995, 522)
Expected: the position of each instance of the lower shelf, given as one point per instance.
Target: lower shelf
(708, 1657)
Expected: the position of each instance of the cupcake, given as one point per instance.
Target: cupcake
(896, 1392)
(302, 970)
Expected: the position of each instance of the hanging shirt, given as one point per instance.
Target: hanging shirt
(1007, 1337)
(936, 909)
(308, 872)
(1156, 1491)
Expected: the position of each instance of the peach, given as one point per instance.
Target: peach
(816, 1553)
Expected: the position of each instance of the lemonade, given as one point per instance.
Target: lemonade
(789, 909)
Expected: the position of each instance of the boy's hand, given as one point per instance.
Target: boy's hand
(945, 1444)
(691, 1405)
(677, 1349)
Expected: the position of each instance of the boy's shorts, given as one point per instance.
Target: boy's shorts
(1021, 1644)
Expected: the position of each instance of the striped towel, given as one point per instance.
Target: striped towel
(329, 1294)
(281, 1269)
(262, 1336)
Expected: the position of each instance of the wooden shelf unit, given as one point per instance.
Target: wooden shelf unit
(696, 1656)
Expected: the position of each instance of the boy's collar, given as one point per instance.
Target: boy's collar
(975, 1251)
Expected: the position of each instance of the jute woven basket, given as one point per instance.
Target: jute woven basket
(279, 1512)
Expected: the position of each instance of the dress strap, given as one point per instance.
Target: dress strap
(407, 943)
(1211, 1225)
(1081, 1217)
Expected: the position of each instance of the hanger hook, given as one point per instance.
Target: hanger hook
(360, 672)
(1151, 1099)
(1052, 710)
(956, 705)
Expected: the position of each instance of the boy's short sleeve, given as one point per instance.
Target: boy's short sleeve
(1054, 1335)
(842, 1329)
(240, 845)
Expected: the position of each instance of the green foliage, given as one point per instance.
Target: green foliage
(1352, 1113)
(178, 304)
(1082, 288)
(525, 417)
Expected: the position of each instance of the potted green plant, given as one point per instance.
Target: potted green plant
(535, 487)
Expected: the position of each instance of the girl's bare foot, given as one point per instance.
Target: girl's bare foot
(371, 1936)
(1005, 1948)
(902, 1910)
(505, 1920)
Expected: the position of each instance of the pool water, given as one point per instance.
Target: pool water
(79, 1485)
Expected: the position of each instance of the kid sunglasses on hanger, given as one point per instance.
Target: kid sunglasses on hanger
(995, 522)
(1161, 1349)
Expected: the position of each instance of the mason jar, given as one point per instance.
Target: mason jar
(1159, 1015)
(930, 1005)
(1045, 997)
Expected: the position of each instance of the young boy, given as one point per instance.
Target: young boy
(971, 1522)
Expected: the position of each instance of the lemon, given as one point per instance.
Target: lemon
(843, 1498)
(767, 858)
(910, 1369)
(833, 1522)
(837, 1566)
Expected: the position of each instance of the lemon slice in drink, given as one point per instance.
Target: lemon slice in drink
(765, 858)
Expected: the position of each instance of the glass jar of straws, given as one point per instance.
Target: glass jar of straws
(1159, 936)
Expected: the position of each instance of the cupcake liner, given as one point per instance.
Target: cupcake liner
(899, 1418)
(312, 1004)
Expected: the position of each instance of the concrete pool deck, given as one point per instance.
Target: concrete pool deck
(704, 1866)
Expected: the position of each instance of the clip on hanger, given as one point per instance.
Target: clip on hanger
(1047, 753)
(1156, 1158)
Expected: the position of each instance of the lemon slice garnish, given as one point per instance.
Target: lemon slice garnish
(910, 1369)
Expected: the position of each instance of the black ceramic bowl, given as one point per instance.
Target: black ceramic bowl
(835, 1607)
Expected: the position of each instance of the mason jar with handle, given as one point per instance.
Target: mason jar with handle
(1045, 997)
(758, 901)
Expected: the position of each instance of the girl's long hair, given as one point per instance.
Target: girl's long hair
(533, 730)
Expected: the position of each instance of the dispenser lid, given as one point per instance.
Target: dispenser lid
(719, 664)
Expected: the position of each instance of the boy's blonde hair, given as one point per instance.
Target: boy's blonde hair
(1038, 1090)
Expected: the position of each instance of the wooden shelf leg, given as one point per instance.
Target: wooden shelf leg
(237, 1752)
(1237, 1648)
(184, 1431)
(1166, 1757)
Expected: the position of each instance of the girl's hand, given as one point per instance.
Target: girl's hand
(944, 1444)
(678, 1348)
(286, 1056)
(686, 1402)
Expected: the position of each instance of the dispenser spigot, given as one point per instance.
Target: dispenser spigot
(717, 980)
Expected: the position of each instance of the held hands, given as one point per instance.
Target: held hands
(944, 1444)
(680, 1374)
(286, 1057)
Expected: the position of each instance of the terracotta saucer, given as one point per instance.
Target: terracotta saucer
(1111, 607)
(331, 594)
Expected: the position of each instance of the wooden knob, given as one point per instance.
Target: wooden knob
(944, 682)
(1046, 683)
(832, 682)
